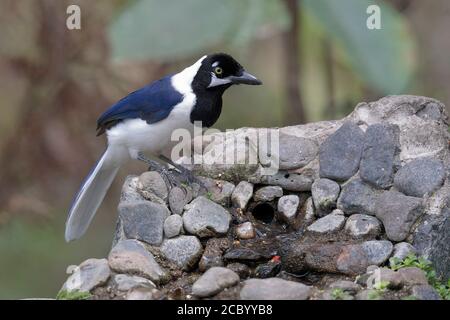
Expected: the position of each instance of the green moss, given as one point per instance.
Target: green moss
(73, 295)
(339, 294)
(374, 295)
(381, 286)
(426, 266)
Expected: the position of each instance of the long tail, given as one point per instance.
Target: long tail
(90, 196)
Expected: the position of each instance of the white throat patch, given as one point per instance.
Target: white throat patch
(182, 81)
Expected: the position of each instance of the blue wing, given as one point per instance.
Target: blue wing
(151, 103)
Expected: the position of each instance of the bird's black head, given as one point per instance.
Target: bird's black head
(219, 71)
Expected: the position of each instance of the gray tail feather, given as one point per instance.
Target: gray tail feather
(89, 198)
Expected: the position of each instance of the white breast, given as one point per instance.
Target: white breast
(136, 135)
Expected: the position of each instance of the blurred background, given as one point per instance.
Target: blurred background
(317, 59)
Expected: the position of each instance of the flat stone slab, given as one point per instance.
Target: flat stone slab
(274, 289)
(268, 193)
(330, 223)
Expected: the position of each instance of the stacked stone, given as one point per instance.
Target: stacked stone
(348, 196)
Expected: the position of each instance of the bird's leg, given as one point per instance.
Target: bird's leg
(186, 174)
(168, 177)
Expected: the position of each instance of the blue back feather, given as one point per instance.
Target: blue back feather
(151, 103)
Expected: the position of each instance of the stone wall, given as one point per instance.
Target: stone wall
(348, 196)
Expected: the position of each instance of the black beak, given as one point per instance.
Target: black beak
(246, 78)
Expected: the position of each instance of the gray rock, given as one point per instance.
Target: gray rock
(420, 176)
(130, 256)
(213, 281)
(274, 289)
(402, 250)
(431, 111)
(242, 194)
(289, 181)
(88, 275)
(296, 152)
(151, 182)
(245, 230)
(425, 292)
(362, 225)
(288, 207)
(412, 276)
(398, 213)
(377, 252)
(184, 251)
(346, 286)
(219, 191)
(329, 223)
(357, 197)
(178, 198)
(124, 282)
(173, 226)
(432, 240)
(340, 153)
(142, 293)
(418, 137)
(143, 220)
(268, 193)
(129, 190)
(324, 193)
(205, 218)
(380, 154)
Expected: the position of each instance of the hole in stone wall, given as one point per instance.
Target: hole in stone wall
(263, 212)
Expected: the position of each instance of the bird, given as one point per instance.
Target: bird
(143, 121)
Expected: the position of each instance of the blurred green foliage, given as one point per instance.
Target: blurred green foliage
(165, 30)
(382, 58)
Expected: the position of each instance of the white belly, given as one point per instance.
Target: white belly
(137, 135)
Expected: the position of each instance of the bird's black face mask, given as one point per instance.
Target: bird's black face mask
(220, 71)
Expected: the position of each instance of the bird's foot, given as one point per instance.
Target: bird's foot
(186, 175)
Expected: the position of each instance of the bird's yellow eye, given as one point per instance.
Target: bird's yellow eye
(218, 70)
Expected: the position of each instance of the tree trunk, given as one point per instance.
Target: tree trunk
(295, 112)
